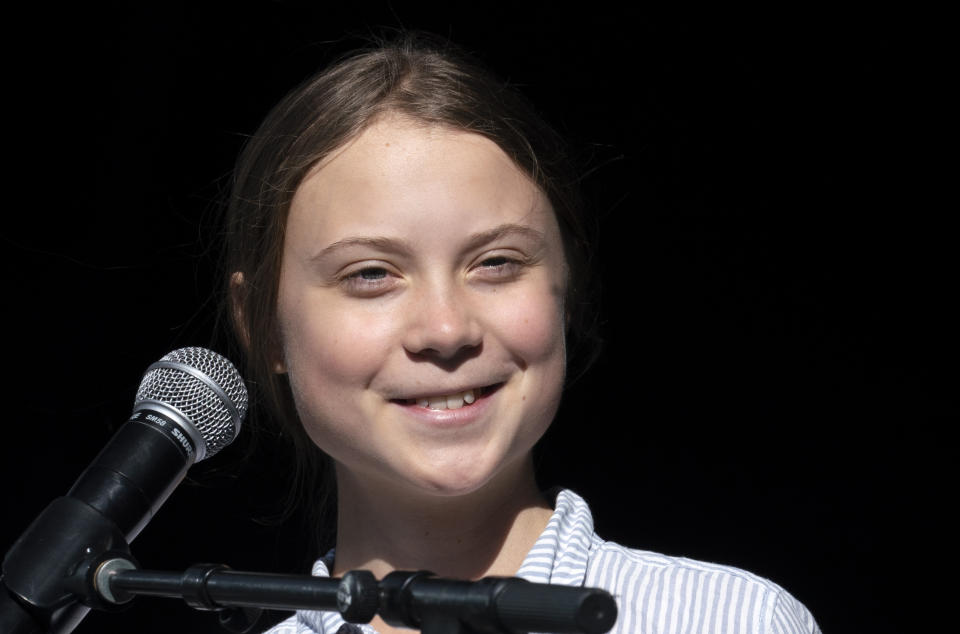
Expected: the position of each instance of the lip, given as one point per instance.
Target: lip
(483, 390)
(450, 417)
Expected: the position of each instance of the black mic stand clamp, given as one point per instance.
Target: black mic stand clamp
(98, 592)
(31, 603)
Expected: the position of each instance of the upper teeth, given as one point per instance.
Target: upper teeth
(450, 401)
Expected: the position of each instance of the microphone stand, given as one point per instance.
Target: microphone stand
(492, 605)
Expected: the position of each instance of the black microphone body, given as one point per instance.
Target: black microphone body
(136, 472)
(121, 490)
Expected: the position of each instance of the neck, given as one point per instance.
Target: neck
(487, 532)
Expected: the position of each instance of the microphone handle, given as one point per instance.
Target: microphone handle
(108, 505)
(137, 470)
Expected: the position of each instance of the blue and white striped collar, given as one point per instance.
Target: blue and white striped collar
(560, 554)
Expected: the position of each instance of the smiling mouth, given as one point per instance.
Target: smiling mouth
(451, 401)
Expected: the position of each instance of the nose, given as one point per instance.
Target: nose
(442, 325)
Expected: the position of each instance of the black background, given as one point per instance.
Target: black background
(778, 273)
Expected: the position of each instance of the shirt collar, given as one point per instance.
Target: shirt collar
(560, 554)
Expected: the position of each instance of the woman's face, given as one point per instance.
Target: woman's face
(421, 308)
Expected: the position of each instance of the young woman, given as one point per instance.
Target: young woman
(408, 267)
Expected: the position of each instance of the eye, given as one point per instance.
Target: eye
(499, 267)
(495, 262)
(368, 280)
(371, 274)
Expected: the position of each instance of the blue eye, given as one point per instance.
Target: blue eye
(368, 281)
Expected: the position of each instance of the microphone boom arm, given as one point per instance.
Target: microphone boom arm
(408, 599)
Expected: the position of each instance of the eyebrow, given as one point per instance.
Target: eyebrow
(392, 245)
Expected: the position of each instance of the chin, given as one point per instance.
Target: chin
(466, 476)
(451, 488)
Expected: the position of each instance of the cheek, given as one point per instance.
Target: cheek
(533, 326)
(326, 349)
(535, 332)
(330, 357)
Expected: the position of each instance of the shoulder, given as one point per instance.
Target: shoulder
(661, 593)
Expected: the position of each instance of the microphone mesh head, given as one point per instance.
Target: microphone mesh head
(175, 383)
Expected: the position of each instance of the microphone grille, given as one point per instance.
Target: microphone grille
(204, 387)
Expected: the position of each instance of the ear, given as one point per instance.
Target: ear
(238, 294)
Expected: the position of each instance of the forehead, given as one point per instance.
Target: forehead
(398, 170)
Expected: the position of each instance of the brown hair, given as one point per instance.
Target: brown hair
(428, 81)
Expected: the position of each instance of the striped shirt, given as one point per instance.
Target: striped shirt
(655, 593)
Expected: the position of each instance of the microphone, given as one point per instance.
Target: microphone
(189, 406)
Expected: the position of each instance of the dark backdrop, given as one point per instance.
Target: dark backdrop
(777, 273)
